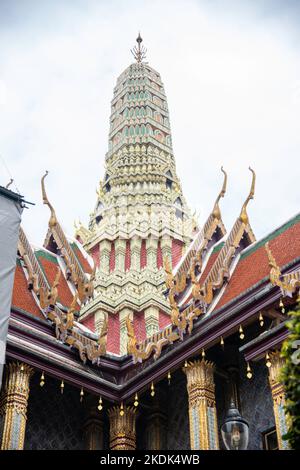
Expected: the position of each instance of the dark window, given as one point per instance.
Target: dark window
(178, 205)
(270, 439)
(169, 182)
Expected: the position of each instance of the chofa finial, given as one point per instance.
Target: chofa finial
(244, 215)
(216, 210)
(139, 52)
(53, 219)
(9, 183)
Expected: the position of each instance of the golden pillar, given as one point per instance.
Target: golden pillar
(15, 399)
(122, 434)
(202, 405)
(278, 395)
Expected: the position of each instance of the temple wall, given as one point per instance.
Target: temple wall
(54, 421)
(256, 403)
(178, 435)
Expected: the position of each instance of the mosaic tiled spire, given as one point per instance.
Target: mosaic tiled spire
(140, 214)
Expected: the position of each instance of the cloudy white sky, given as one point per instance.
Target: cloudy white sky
(231, 70)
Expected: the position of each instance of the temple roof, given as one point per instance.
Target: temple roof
(245, 267)
(22, 297)
(253, 265)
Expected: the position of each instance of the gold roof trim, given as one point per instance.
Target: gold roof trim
(74, 271)
(202, 294)
(48, 295)
(288, 283)
(36, 280)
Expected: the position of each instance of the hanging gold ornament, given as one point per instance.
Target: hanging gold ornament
(281, 305)
(185, 364)
(261, 319)
(81, 394)
(22, 368)
(62, 386)
(241, 332)
(169, 377)
(122, 409)
(100, 407)
(268, 361)
(249, 371)
(152, 393)
(136, 400)
(203, 353)
(222, 342)
(42, 380)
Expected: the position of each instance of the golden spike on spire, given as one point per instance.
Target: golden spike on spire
(216, 210)
(244, 215)
(139, 52)
(9, 183)
(53, 219)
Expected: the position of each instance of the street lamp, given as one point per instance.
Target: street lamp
(235, 430)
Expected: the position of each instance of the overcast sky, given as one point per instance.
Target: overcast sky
(231, 71)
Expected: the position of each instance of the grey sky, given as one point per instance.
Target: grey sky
(231, 70)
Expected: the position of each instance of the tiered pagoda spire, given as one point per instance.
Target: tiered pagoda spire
(140, 216)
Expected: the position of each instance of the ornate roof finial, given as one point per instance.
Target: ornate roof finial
(243, 215)
(10, 183)
(53, 219)
(216, 211)
(139, 52)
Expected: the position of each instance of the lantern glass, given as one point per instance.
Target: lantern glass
(235, 430)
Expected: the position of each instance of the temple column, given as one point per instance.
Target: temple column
(93, 432)
(120, 246)
(278, 395)
(202, 405)
(122, 434)
(123, 329)
(15, 397)
(151, 248)
(151, 315)
(166, 248)
(105, 247)
(135, 248)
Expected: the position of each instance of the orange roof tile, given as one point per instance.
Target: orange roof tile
(82, 260)
(253, 265)
(211, 260)
(22, 297)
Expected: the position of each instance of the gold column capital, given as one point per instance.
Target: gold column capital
(16, 394)
(277, 362)
(17, 386)
(202, 405)
(200, 381)
(122, 427)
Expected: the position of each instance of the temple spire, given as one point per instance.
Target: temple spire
(139, 52)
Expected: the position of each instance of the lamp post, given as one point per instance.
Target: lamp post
(235, 430)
